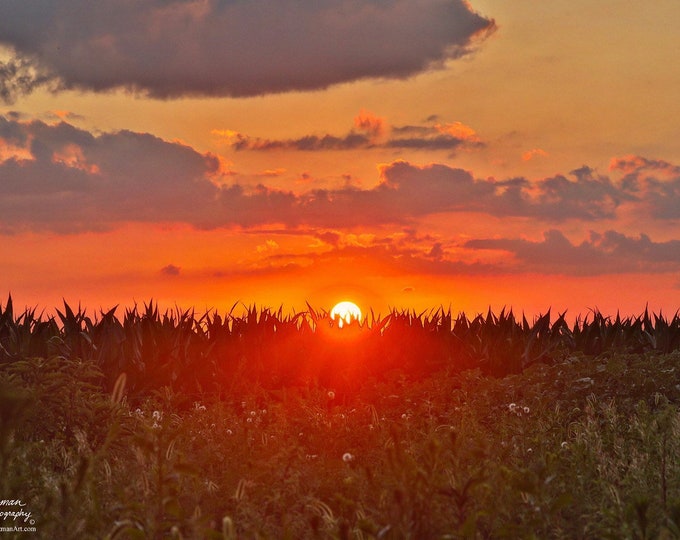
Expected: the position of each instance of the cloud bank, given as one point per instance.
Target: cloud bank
(607, 253)
(171, 48)
(63, 178)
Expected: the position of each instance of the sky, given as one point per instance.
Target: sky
(405, 154)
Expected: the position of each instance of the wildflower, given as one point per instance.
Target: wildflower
(347, 457)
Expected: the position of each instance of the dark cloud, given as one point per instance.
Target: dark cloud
(439, 188)
(655, 183)
(370, 132)
(19, 77)
(171, 270)
(62, 178)
(227, 47)
(608, 253)
(309, 143)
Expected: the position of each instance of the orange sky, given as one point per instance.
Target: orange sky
(404, 154)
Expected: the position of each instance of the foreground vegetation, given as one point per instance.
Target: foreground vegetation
(410, 426)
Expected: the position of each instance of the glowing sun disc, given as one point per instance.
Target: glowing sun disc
(345, 312)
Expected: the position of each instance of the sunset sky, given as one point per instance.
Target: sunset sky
(398, 153)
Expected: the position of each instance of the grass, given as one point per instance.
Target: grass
(412, 426)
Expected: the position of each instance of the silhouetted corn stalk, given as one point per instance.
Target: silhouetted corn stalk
(225, 355)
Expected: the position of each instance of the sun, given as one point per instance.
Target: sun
(345, 312)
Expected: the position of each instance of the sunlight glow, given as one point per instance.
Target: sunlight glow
(345, 312)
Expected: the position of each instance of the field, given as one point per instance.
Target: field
(265, 425)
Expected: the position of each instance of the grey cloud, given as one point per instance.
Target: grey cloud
(607, 253)
(75, 181)
(228, 47)
(170, 270)
(655, 183)
(62, 178)
(438, 188)
(18, 77)
(407, 137)
(308, 143)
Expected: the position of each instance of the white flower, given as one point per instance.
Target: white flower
(347, 457)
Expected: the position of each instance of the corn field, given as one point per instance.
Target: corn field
(154, 425)
(225, 354)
